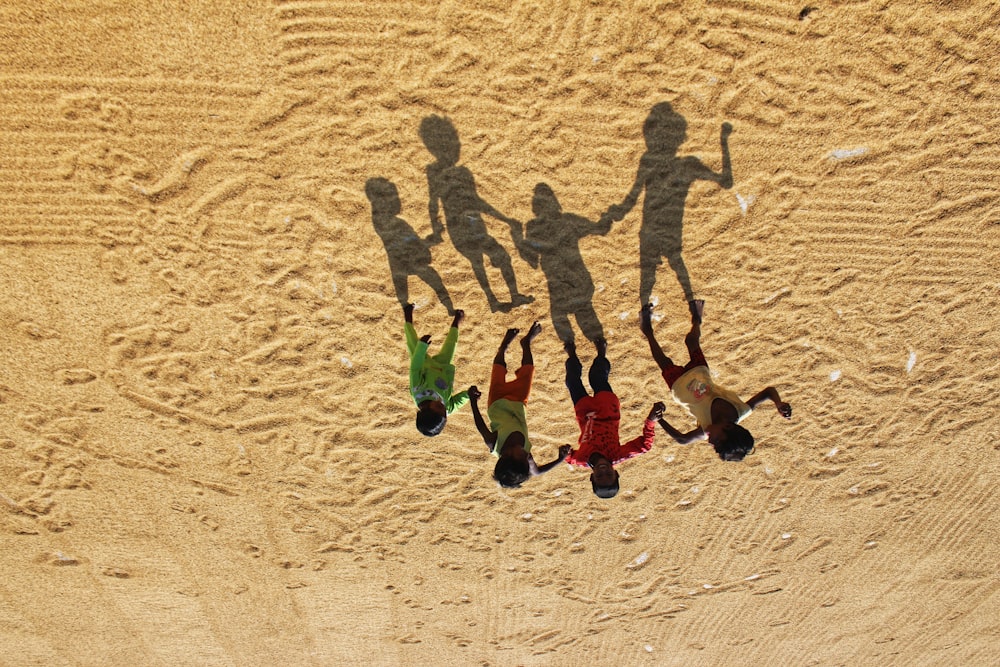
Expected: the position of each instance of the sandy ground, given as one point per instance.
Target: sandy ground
(207, 454)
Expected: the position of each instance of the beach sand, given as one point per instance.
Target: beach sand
(207, 452)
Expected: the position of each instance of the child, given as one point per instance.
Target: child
(717, 410)
(598, 416)
(455, 187)
(507, 435)
(552, 238)
(432, 378)
(408, 256)
(666, 178)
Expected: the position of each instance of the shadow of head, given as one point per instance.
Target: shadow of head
(384, 197)
(665, 129)
(544, 203)
(440, 138)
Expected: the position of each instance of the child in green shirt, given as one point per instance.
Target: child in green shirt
(432, 378)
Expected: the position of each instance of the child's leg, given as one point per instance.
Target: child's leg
(411, 337)
(498, 374)
(526, 358)
(499, 359)
(574, 372)
(646, 326)
(600, 370)
(693, 338)
(447, 353)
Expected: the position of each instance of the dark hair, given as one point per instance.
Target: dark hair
(609, 491)
(737, 443)
(430, 423)
(511, 473)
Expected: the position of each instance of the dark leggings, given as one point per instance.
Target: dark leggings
(600, 370)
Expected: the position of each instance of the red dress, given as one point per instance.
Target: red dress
(598, 418)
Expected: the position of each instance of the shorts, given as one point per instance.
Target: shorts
(672, 372)
(515, 390)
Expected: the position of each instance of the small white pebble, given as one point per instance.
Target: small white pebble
(911, 361)
(785, 536)
(649, 649)
(751, 577)
(347, 362)
(670, 458)
(707, 586)
(835, 375)
(623, 316)
(832, 452)
(526, 516)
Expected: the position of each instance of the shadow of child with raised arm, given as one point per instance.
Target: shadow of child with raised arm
(552, 239)
(666, 178)
(408, 255)
(454, 186)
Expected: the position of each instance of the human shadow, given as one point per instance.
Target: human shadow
(454, 187)
(666, 179)
(408, 254)
(552, 240)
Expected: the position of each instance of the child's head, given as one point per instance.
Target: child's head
(431, 417)
(441, 138)
(664, 129)
(383, 196)
(732, 443)
(603, 476)
(544, 203)
(511, 472)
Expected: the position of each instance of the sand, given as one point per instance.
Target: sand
(207, 454)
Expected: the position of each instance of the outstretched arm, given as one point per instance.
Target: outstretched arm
(489, 437)
(618, 211)
(682, 438)
(725, 177)
(535, 469)
(771, 394)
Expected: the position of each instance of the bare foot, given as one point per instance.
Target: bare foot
(646, 319)
(570, 347)
(697, 307)
(408, 312)
(459, 317)
(508, 337)
(601, 344)
(533, 332)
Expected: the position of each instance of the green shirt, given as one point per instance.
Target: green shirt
(432, 378)
(507, 417)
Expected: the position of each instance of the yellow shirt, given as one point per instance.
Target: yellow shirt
(696, 391)
(506, 417)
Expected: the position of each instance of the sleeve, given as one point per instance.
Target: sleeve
(639, 445)
(457, 401)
